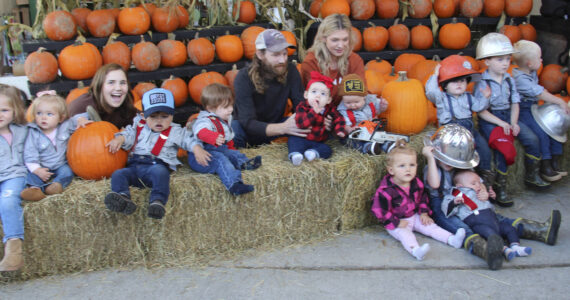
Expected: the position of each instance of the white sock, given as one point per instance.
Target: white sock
(520, 250)
(311, 154)
(296, 158)
(456, 240)
(421, 251)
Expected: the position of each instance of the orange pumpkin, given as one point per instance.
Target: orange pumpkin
(143, 87)
(387, 9)
(165, 19)
(90, 142)
(513, 32)
(422, 70)
(248, 37)
(552, 78)
(146, 56)
(183, 16)
(231, 76)
(101, 23)
(134, 21)
(407, 107)
(76, 92)
(315, 8)
(41, 66)
(470, 8)
(444, 8)
(454, 36)
(247, 12)
(374, 38)
(117, 52)
(198, 82)
(201, 51)
(432, 113)
(80, 17)
(178, 88)
(399, 36)
(148, 7)
(493, 8)
(59, 26)
(528, 32)
(291, 39)
(79, 61)
(330, 7)
(421, 37)
(419, 8)
(518, 8)
(379, 65)
(374, 82)
(362, 9)
(172, 53)
(357, 39)
(405, 62)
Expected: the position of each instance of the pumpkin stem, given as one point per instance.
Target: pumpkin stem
(402, 76)
(234, 67)
(437, 58)
(80, 84)
(171, 77)
(396, 21)
(197, 35)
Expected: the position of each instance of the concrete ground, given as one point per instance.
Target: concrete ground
(362, 263)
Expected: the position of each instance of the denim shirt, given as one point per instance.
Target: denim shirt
(528, 87)
(501, 98)
(12, 162)
(363, 114)
(203, 122)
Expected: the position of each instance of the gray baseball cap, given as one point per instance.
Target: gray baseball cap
(272, 40)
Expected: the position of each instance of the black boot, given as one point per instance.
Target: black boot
(547, 172)
(500, 188)
(546, 232)
(531, 177)
(556, 165)
(490, 250)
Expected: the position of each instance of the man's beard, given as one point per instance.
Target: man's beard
(272, 72)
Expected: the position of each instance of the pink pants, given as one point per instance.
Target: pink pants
(406, 236)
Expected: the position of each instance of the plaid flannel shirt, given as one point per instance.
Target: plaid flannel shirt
(306, 117)
(391, 203)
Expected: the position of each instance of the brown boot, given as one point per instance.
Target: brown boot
(490, 250)
(32, 194)
(54, 188)
(13, 259)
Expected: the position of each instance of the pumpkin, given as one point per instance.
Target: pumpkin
(379, 65)
(248, 37)
(79, 61)
(172, 53)
(387, 9)
(330, 7)
(41, 66)
(423, 69)
(471, 8)
(201, 51)
(553, 78)
(405, 62)
(528, 32)
(374, 38)
(116, 12)
(513, 32)
(231, 76)
(80, 17)
(59, 25)
(518, 8)
(178, 88)
(76, 92)
(291, 39)
(90, 142)
(198, 82)
(148, 7)
(454, 36)
(357, 39)
(362, 9)
(183, 16)
(432, 112)
(407, 107)
(146, 56)
(101, 23)
(134, 21)
(493, 8)
(117, 52)
(143, 87)
(421, 37)
(399, 36)
(374, 82)
(165, 19)
(419, 8)
(315, 8)
(444, 8)
(247, 12)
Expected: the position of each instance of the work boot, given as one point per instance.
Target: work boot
(556, 166)
(546, 232)
(13, 259)
(547, 172)
(488, 177)
(490, 250)
(531, 177)
(500, 188)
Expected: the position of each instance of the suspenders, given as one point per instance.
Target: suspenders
(508, 79)
(351, 114)
(451, 106)
(159, 142)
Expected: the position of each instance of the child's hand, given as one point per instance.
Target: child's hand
(202, 156)
(486, 91)
(43, 173)
(516, 129)
(115, 144)
(458, 199)
(341, 134)
(492, 194)
(403, 224)
(350, 129)
(426, 220)
(383, 105)
(82, 122)
(427, 151)
(328, 123)
(220, 140)
(483, 195)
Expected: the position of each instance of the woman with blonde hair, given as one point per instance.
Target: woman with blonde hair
(331, 53)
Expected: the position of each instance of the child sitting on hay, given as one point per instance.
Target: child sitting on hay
(312, 113)
(212, 127)
(154, 141)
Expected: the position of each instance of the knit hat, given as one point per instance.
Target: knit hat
(158, 100)
(505, 144)
(352, 85)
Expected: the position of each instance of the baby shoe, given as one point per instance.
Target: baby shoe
(54, 188)
(296, 158)
(509, 253)
(120, 203)
(520, 250)
(239, 188)
(252, 163)
(156, 210)
(311, 154)
(420, 252)
(32, 194)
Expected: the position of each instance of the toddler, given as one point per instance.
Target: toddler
(401, 204)
(212, 127)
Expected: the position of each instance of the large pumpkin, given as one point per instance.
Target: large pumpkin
(330, 7)
(79, 61)
(374, 82)
(178, 88)
(146, 56)
(201, 51)
(101, 23)
(200, 81)
(374, 38)
(362, 9)
(117, 52)
(419, 8)
(552, 78)
(406, 61)
(454, 36)
(87, 145)
(165, 19)
(134, 21)
(399, 36)
(421, 37)
(387, 9)
(59, 25)
(172, 53)
(518, 8)
(407, 107)
(41, 66)
(248, 37)
(229, 48)
(246, 12)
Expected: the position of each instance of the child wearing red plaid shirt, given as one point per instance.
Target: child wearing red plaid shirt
(311, 113)
(401, 204)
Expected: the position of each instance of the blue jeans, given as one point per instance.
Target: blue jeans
(242, 139)
(481, 145)
(226, 163)
(527, 138)
(300, 145)
(486, 224)
(11, 211)
(548, 145)
(63, 175)
(143, 171)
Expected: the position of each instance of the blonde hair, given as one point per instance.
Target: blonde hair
(15, 101)
(216, 94)
(57, 101)
(524, 51)
(400, 147)
(330, 25)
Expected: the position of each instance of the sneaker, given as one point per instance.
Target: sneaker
(156, 210)
(54, 188)
(420, 252)
(521, 251)
(296, 158)
(120, 203)
(456, 240)
(509, 253)
(32, 194)
(311, 154)
(252, 163)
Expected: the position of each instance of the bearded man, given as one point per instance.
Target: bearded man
(261, 92)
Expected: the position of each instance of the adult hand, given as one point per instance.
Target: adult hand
(43, 173)
(289, 127)
(202, 156)
(506, 127)
(516, 129)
